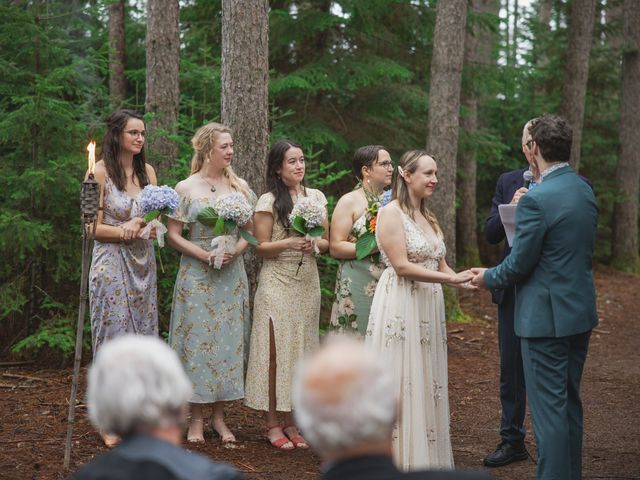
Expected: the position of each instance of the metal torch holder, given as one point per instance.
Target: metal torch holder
(89, 206)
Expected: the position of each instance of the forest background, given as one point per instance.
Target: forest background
(459, 77)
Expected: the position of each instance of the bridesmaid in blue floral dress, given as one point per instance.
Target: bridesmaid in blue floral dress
(210, 317)
(122, 279)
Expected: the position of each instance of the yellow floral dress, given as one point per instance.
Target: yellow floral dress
(292, 303)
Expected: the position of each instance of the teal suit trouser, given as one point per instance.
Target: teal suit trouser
(553, 369)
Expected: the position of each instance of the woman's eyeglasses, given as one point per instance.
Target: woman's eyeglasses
(386, 164)
(136, 133)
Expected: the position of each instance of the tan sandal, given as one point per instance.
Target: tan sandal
(195, 438)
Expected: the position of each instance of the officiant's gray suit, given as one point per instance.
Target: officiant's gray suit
(551, 266)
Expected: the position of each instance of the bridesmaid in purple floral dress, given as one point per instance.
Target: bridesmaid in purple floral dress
(122, 280)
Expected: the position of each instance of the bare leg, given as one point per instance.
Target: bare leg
(218, 423)
(195, 434)
(274, 431)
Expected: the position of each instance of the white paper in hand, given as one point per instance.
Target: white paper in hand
(508, 217)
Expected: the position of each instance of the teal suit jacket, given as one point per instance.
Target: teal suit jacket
(551, 259)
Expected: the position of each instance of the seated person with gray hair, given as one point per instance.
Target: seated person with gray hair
(345, 404)
(139, 391)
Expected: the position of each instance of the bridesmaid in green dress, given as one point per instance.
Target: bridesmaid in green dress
(357, 279)
(210, 320)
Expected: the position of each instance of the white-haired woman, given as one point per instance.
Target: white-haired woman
(210, 318)
(407, 322)
(138, 390)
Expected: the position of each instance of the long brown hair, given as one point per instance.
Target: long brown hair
(203, 142)
(283, 203)
(409, 164)
(116, 124)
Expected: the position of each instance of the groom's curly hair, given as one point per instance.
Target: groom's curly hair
(554, 136)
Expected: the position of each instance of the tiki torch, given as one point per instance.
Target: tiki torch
(89, 206)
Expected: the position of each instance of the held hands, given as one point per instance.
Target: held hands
(519, 193)
(300, 244)
(462, 280)
(478, 279)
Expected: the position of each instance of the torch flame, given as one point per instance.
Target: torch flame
(91, 148)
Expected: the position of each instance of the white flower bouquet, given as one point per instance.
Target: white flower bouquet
(306, 218)
(229, 212)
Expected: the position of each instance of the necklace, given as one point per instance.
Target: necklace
(213, 187)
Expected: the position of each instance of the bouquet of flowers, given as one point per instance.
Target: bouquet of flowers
(228, 213)
(306, 218)
(155, 201)
(366, 241)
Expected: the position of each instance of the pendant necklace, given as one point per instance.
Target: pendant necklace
(213, 187)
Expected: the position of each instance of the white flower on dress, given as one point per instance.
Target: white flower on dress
(347, 306)
(370, 288)
(354, 325)
(376, 269)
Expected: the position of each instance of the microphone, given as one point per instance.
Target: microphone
(527, 176)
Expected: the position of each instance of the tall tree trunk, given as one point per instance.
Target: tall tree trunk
(163, 89)
(444, 110)
(625, 228)
(540, 51)
(576, 74)
(117, 81)
(245, 80)
(477, 55)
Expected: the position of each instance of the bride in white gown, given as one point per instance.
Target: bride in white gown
(407, 324)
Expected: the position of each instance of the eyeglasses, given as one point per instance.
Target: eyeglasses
(386, 164)
(136, 133)
(529, 144)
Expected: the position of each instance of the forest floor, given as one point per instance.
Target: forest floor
(34, 403)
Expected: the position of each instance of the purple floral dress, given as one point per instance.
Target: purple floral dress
(122, 279)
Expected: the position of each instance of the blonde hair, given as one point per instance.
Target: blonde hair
(409, 164)
(202, 142)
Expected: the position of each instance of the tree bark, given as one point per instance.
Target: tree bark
(245, 80)
(576, 74)
(542, 59)
(477, 55)
(444, 109)
(163, 88)
(117, 81)
(625, 227)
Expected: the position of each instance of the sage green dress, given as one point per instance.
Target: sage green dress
(210, 316)
(355, 285)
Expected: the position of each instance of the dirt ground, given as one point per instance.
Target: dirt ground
(34, 403)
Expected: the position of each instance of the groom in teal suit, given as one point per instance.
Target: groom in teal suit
(551, 267)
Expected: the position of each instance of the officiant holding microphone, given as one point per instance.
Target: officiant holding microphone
(510, 187)
(551, 266)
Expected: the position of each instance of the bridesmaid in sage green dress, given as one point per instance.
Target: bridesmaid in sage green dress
(210, 318)
(357, 279)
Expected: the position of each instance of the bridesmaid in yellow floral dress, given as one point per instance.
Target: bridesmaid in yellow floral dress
(357, 279)
(210, 318)
(287, 303)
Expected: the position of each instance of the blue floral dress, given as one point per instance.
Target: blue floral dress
(210, 317)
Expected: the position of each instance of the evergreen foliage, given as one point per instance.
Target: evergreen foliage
(344, 73)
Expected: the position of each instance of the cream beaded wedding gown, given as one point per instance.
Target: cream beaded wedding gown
(407, 328)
